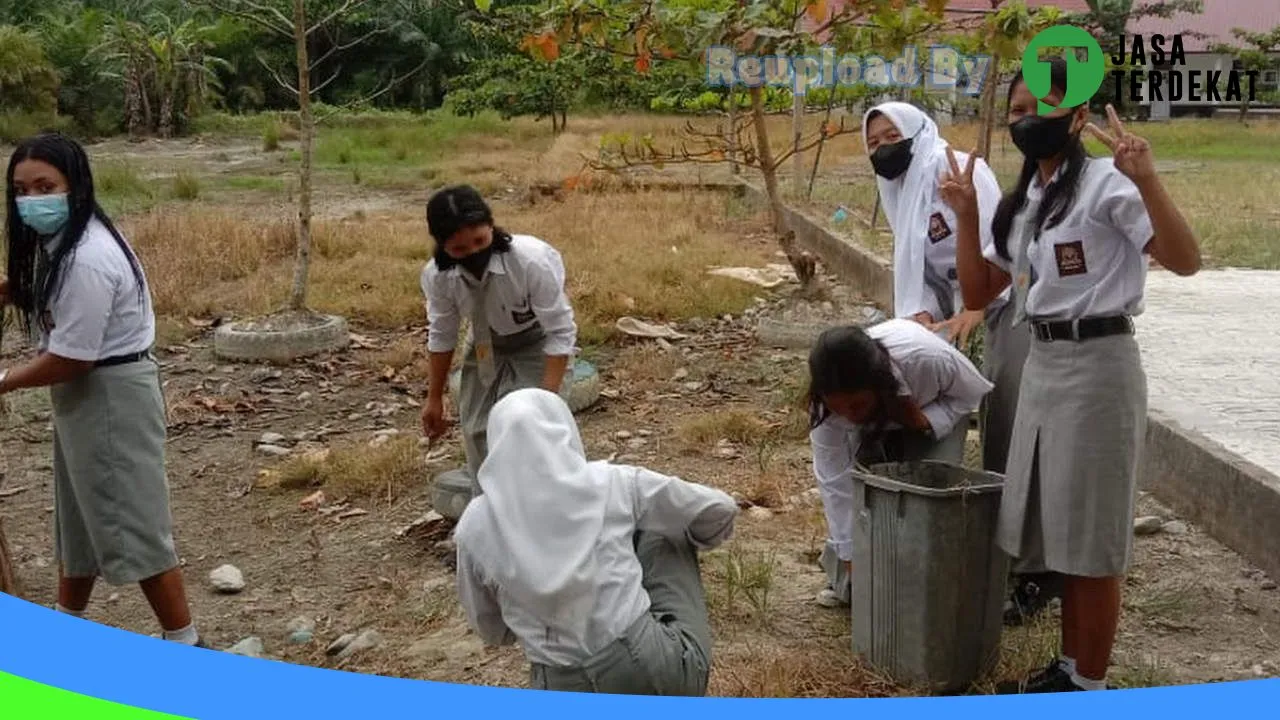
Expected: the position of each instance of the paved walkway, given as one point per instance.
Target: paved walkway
(1211, 348)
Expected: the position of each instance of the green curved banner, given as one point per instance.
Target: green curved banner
(27, 700)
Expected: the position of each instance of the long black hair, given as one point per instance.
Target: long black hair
(846, 359)
(1059, 195)
(69, 158)
(457, 207)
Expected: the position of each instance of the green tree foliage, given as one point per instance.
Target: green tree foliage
(28, 81)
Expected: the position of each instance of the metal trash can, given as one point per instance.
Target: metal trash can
(928, 579)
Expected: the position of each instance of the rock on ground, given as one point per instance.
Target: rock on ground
(227, 579)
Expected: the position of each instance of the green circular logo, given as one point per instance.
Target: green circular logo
(1084, 78)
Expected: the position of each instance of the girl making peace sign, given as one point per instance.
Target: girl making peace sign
(1072, 237)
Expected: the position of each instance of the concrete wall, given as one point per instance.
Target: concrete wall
(1232, 499)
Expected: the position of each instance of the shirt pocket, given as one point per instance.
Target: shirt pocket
(1070, 256)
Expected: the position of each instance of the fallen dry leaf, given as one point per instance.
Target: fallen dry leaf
(313, 501)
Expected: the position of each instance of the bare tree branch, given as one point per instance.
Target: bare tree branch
(391, 85)
(343, 47)
(343, 9)
(267, 17)
(336, 74)
(275, 75)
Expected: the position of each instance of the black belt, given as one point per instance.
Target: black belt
(1082, 329)
(123, 359)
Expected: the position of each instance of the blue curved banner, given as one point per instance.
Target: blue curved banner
(44, 650)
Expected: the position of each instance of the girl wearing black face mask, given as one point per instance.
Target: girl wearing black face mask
(1072, 238)
(926, 284)
(511, 288)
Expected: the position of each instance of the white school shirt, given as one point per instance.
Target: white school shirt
(940, 250)
(941, 380)
(527, 287)
(1093, 263)
(97, 312)
(640, 500)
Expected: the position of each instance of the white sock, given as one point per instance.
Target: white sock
(1085, 683)
(1069, 665)
(65, 611)
(185, 636)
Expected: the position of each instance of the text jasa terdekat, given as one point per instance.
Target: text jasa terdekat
(1165, 77)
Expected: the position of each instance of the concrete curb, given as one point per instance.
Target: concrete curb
(1234, 500)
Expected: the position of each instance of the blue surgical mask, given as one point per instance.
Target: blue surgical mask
(46, 214)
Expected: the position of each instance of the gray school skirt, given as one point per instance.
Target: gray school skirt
(111, 494)
(520, 363)
(1004, 355)
(1072, 476)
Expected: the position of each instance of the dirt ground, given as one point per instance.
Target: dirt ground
(1195, 611)
(716, 408)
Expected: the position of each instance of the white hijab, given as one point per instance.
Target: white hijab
(536, 526)
(908, 201)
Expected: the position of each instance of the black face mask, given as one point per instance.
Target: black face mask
(477, 262)
(1040, 138)
(890, 161)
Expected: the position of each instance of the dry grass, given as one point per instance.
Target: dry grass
(207, 261)
(644, 367)
(357, 470)
(826, 670)
(741, 427)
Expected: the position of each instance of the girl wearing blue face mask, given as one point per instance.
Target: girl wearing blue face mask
(79, 290)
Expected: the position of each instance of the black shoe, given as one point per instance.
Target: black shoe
(1029, 598)
(1051, 679)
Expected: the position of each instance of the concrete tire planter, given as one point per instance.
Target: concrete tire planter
(581, 387)
(451, 490)
(280, 339)
(450, 493)
(800, 335)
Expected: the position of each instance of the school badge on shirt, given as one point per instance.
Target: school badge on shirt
(1070, 257)
(939, 230)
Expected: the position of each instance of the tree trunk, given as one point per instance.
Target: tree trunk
(307, 130)
(167, 104)
(7, 585)
(733, 131)
(148, 116)
(765, 158)
(987, 120)
(822, 142)
(133, 103)
(797, 137)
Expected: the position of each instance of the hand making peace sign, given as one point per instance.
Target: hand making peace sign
(956, 187)
(1132, 154)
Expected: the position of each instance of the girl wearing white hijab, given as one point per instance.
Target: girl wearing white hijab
(590, 566)
(910, 160)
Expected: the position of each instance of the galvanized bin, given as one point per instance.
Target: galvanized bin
(928, 579)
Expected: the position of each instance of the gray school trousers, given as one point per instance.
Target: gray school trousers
(667, 651)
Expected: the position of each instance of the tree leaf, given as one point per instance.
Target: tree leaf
(818, 10)
(483, 5)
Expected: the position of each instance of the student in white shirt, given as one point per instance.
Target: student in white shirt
(894, 392)
(511, 288)
(79, 290)
(590, 566)
(909, 157)
(1073, 237)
